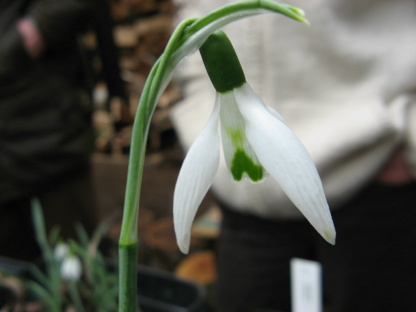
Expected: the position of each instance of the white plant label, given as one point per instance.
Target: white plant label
(306, 285)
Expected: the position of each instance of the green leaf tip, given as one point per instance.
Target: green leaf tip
(288, 10)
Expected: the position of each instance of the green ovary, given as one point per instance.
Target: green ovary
(243, 163)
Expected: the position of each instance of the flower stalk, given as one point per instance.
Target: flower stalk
(187, 38)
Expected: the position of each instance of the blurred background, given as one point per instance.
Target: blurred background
(118, 52)
(71, 76)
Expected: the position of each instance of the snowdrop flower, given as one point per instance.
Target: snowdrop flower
(61, 251)
(71, 268)
(256, 142)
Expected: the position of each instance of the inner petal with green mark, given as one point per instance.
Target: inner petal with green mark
(243, 163)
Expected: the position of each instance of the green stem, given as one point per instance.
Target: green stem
(128, 278)
(128, 243)
(145, 110)
(244, 8)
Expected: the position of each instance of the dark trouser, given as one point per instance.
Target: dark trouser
(64, 203)
(372, 267)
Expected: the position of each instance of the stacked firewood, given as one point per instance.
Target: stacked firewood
(128, 9)
(141, 31)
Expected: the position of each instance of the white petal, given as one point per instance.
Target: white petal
(287, 161)
(195, 178)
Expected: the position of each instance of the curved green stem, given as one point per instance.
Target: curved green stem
(128, 244)
(244, 9)
(145, 110)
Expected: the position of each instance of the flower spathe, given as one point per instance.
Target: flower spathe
(256, 142)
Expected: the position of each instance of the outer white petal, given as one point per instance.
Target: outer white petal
(283, 155)
(195, 178)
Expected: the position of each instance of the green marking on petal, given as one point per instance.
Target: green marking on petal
(243, 163)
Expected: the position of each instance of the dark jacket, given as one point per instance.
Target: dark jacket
(45, 130)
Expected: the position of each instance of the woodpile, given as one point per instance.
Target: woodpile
(141, 31)
(123, 10)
